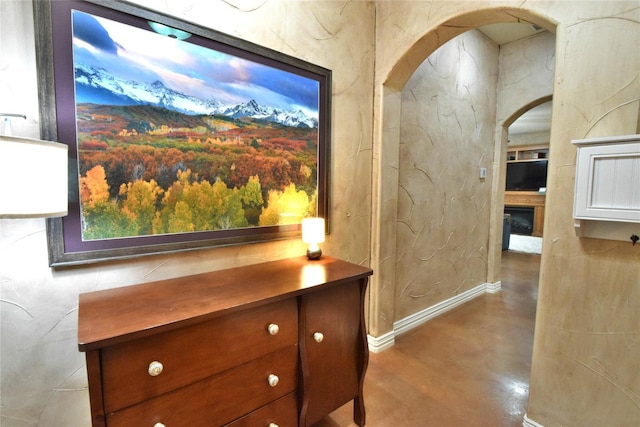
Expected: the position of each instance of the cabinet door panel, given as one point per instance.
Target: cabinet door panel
(330, 363)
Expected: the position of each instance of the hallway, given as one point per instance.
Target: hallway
(468, 367)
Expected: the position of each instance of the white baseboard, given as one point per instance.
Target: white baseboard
(528, 422)
(494, 288)
(383, 342)
(378, 344)
(417, 319)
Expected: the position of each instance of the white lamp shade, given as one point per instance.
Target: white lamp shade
(33, 178)
(313, 230)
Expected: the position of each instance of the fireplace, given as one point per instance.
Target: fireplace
(521, 220)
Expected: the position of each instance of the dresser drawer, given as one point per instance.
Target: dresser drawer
(283, 413)
(190, 354)
(217, 400)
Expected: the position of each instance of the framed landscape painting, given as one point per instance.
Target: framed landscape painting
(179, 137)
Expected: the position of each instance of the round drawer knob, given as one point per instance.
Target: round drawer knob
(273, 380)
(318, 337)
(159, 425)
(273, 425)
(155, 369)
(273, 329)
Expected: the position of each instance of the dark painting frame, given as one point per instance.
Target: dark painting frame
(57, 100)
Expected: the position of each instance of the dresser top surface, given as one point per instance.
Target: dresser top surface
(120, 314)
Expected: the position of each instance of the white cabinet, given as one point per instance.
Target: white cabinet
(607, 187)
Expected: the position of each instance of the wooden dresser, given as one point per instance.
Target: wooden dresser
(281, 343)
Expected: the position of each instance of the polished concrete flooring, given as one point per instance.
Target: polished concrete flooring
(468, 367)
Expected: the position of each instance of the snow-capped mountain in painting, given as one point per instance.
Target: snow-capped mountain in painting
(99, 87)
(294, 118)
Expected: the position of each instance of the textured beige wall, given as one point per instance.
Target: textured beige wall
(530, 138)
(588, 323)
(526, 75)
(585, 365)
(42, 373)
(586, 369)
(446, 136)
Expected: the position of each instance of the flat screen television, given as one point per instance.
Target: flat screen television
(526, 176)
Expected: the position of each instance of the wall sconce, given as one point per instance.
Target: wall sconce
(312, 234)
(33, 178)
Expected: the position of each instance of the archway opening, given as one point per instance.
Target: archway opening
(388, 191)
(400, 240)
(526, 172)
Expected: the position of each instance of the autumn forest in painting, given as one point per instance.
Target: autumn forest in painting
(173, 137)
(178, 173)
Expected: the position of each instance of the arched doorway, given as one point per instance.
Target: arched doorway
(525, 186)
(386, 194)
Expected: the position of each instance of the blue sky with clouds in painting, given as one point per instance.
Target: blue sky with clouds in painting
(131, 53)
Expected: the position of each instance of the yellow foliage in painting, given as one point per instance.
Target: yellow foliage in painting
(94, 187)
(286, 207)
(139, 204)
(193, 205)
(305, 170)
(181, 219)
(252, 192)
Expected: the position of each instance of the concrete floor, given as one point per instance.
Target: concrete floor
(468, 367)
